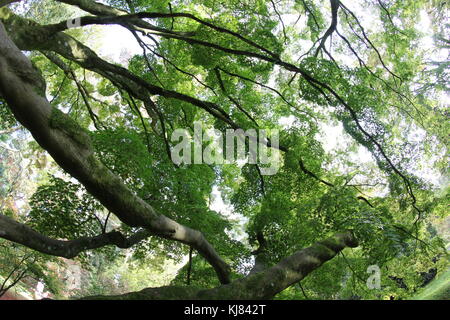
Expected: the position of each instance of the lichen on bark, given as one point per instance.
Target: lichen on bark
(61, 121)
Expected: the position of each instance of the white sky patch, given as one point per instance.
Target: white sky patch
(217, 204)
(117, 43)
(424, 26)
(287, 122)
(334, 138)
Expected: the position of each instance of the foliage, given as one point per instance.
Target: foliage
(374, 87)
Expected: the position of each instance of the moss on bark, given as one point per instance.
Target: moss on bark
(59, 120)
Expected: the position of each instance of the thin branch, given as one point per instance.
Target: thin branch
(311, 174)
(305, 6)
(9, 131)
(134, 107)
(149, 104)
(303, 291)
(173, 19)
(131, 6)
(363, 64)
(267, 87)
(188, 279)
(281, 20)
(144, 49)
(105, 224)
(84, 93)
(389, 17)
(370, 42)
(353, 271)
(176, 67)
(233, 100)
(261, 179)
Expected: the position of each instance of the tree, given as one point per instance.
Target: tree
(239, 65)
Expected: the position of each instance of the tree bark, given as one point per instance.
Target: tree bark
(263, 285)
(23, 88)
(20, 233)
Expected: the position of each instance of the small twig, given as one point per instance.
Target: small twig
(312, 174)
(281, 20)
(188, 280)
(303, 291)
(173, 19)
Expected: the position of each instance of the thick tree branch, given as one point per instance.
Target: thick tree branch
(261, 285)
(20, 233)
(23, 89)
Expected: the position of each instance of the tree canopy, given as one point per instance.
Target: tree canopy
(353, 97)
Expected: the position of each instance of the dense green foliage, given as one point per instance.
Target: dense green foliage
(386, 177)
